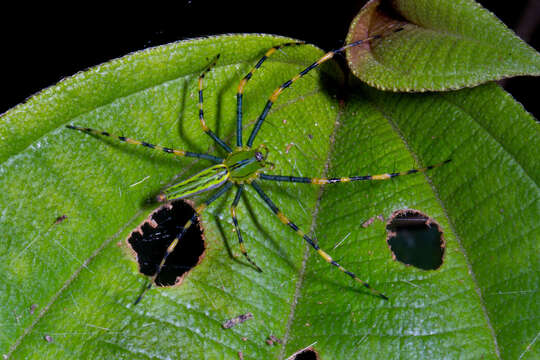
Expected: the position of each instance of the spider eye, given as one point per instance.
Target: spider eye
(259, 156)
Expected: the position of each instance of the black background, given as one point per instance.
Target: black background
(40, 46)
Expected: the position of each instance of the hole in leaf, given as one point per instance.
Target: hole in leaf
(150, 240)
(415, 239)
(306, 354)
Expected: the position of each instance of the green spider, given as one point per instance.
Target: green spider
(244, 165)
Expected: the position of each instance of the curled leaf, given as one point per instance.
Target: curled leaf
(444, 45)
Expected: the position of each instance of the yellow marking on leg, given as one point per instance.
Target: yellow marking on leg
(319, 181)
(200, 83)
(175, 241)
(345, 179)
(282, 217)
(170, 249)
(381, 177)
(200, 208)
(270, 51)
(296, 77)
(326, 57)
(326, 257)
(242, 84)
(179, 152)
(243, 248)
(134, 142)
(275, 95)
(300, 232)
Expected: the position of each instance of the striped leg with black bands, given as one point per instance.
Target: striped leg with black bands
(205, 128)
(243, 82)
(169, 250)
(329, 55)
(179, 237)
(237, 228)
(147, 145)
(310, 241)
(322, 181)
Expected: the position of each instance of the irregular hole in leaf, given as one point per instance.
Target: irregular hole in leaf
(306, 354)
(415, 239)
(150, 240)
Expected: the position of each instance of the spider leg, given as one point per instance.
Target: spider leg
(177, 239)
(147, 145)
(205, 128)
(322, 181)
(237, 228)
(310, 241)
(329, 55)
(239, 94)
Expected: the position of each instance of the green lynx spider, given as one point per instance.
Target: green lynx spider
(244, 165)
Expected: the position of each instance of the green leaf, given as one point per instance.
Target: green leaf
(74, 282)
(444, 45)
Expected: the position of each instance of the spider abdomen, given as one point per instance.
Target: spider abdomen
(208, 179)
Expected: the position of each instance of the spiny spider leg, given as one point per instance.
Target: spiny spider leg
(310, 241)
(329, 55)
(243, 82)
(145, 144)
(205, 128)
(237, 228)
(322, 181)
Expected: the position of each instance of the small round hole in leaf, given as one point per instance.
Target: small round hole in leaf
(150, 240)
(415, 239)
